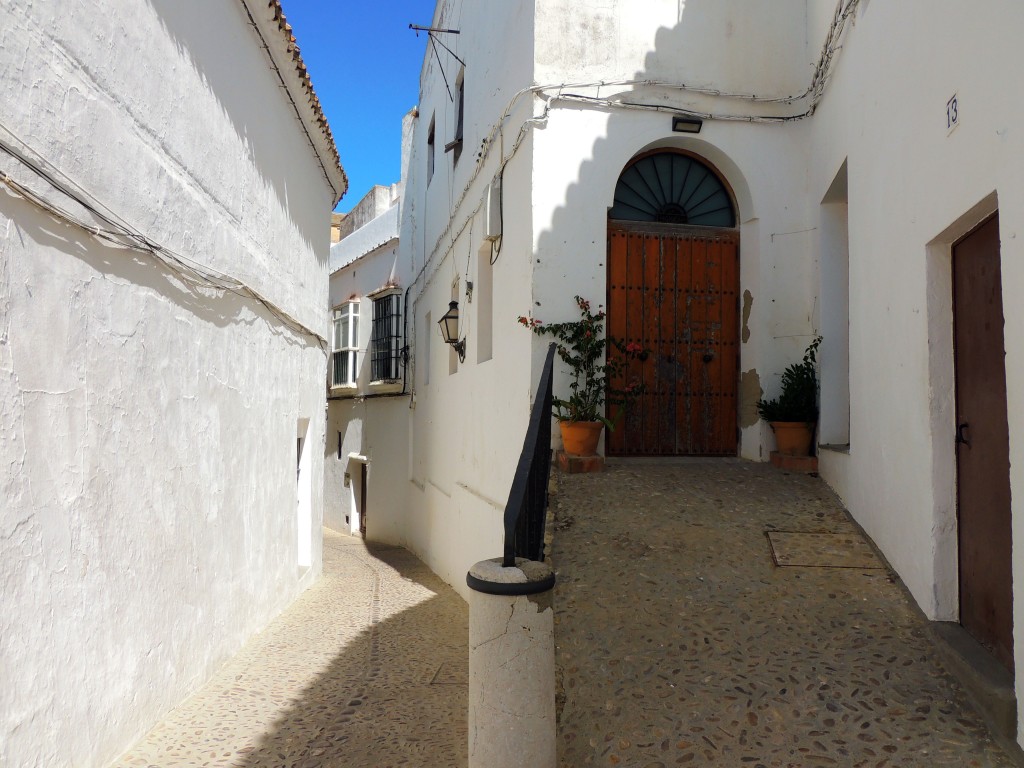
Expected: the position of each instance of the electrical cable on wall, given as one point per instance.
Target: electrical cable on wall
(118, 233)
(496, 243)
(553, 94)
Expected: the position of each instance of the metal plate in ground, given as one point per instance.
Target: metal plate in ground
(821, 550)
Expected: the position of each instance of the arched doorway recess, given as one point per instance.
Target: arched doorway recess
(673, 288)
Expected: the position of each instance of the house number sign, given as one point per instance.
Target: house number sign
(952, 114)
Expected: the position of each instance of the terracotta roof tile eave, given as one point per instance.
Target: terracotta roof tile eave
(300, 75)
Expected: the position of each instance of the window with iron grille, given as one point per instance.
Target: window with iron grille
(455, 145)
(430, 151)
(386, 338)
(346, 344)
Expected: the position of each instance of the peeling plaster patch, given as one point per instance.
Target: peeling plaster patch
(748, 302)
(750, 393)
(542, 601)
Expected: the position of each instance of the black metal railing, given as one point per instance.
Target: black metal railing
(528, 500)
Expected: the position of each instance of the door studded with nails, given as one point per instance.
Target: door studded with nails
(674, 290)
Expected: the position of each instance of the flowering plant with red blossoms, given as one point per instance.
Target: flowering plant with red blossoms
(593, 360)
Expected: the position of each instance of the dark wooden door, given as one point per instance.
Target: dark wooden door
(983, 464)
(362, 498)
(674, 291)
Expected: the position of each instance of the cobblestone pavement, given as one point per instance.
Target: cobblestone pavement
(680, 642)
(368, 668)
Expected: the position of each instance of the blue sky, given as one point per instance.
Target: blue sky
(365, 65)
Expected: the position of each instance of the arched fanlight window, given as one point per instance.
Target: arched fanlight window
(672, 188)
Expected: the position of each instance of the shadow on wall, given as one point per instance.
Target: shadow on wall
(734, 46)
(590, 194)
(140, 270)
(200, 42)
(571, 247)
(678, 52)
(581, 220)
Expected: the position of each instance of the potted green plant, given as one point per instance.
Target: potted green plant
(794, 413)
(588, 353)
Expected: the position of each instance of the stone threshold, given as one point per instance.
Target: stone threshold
(986, 681)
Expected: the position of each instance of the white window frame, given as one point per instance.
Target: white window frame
(345, 341)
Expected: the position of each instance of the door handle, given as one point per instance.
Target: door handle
(960, 437)
(708, 357)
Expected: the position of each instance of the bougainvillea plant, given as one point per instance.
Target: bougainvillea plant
(594, 360)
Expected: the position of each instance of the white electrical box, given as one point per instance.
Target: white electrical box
(492, 211)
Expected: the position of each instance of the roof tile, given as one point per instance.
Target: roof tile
(303, 75)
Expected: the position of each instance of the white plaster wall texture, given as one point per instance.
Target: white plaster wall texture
(377, 429)
(912, 190)
(372, 419)
(470, 418)
(574, 189)
(147, 450)
(345, 418)
(582, 150)
(374, 235)
(729, 45)
(557, 189)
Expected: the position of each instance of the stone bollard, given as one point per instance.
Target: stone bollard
(511, 665)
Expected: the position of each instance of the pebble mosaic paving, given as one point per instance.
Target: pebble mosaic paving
(679, 641)
(368, 668)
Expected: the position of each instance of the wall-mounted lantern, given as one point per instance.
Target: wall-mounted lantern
(449, 324)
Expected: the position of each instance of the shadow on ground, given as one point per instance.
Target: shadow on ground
(368, 668)
(679, 641)
(396, 696)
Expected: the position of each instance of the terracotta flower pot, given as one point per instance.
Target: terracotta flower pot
(793, 438)
(580, 438)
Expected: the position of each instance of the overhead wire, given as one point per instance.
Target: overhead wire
(552, 94)
(119, 233)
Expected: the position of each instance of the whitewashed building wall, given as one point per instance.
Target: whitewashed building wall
(367, 422)
(560, 162)
(846, 215)
(366, 457)
(468, 419)
(913, 188)
(584, 147)
(151, 519)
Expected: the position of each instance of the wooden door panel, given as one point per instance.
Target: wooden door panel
(674, 293)
(650, 323)
(666, 301)
(362, 498)
(983, 466)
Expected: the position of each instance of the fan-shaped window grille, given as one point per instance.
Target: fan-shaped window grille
(672, 188)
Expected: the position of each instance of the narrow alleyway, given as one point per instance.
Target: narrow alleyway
(367, 668)
(679, 641)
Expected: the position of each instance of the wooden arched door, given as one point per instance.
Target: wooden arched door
(673, 288)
